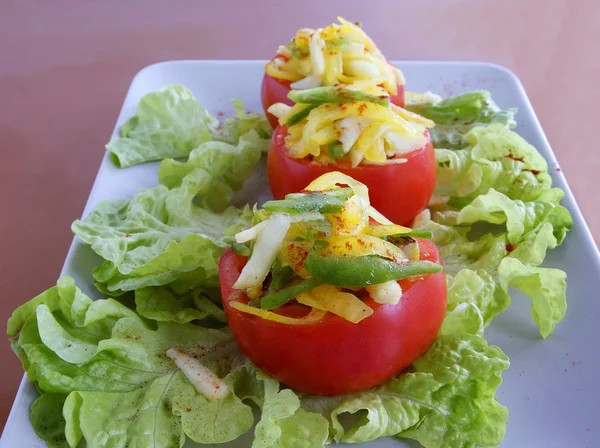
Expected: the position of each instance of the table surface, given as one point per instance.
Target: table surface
(65, 68)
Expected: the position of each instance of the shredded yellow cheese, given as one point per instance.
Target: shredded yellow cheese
(347, 231)
(386, 230)
(315, 316)
(339, 53)
(368, 131)
(332, 299)
(362, 245)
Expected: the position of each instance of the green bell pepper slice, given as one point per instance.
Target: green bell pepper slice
(356, 272)
(330, 201)
(283, 296)
(333, 94)
(300, 115)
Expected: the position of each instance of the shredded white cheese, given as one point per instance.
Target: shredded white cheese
(388, 293)
(269, 241)
(393, 161)
(422, 218)
(317, 59)
(309, 82)
(250, 234)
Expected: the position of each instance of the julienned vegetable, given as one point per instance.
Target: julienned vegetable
(329, 272)
(337, 54)
(360, 134)
(356, 272)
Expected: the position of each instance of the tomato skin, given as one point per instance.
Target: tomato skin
(275, 90)
(399, 191)
(398, 98)
(336, 356)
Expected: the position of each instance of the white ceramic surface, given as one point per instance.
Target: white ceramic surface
(552, 387)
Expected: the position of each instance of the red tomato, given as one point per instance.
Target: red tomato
(336, 356)
(276, 91)
(398, 98)
(399, 191)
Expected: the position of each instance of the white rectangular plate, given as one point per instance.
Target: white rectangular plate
(552, 387)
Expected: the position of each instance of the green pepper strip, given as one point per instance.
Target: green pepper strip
(414, 234)
(336, 43)
(332, 94)
(322, 202)
(241, 249)
(296, 51)
(283, 296)
(316, 230)
(335, 151)
(301, 115)
(281, 275)
(357, 272)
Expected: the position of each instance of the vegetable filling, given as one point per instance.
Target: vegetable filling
(335, 54)
(321, 249)
(345, 125)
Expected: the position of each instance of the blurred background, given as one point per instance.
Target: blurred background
(65, 68)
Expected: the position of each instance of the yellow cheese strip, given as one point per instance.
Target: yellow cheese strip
(363, 245)
(344, 304)
(385, 230)
(331, 180)
(315, 316)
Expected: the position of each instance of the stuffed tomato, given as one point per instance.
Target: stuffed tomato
(335, 55)
(359, 133)
(326, 295)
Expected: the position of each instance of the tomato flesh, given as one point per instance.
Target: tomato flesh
(336, 356)
(399, 191)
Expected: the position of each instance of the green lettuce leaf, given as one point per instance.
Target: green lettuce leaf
(283, 423)
(122, 389)
(162, 304)
(229, 166)
(495, 158)
(171, 122)
(498, 269)
(532, 249)
(158, 415)
(521, 218)
(303, 430)
(458, 251)
(276, 405)
(254, 126)
(544, 286)
(160, 237)
(454, 117)
(466, 412)
(447, 401)
(47, 420)
(501, 217)
(473, 301)
(168, 123)
(509, 257)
